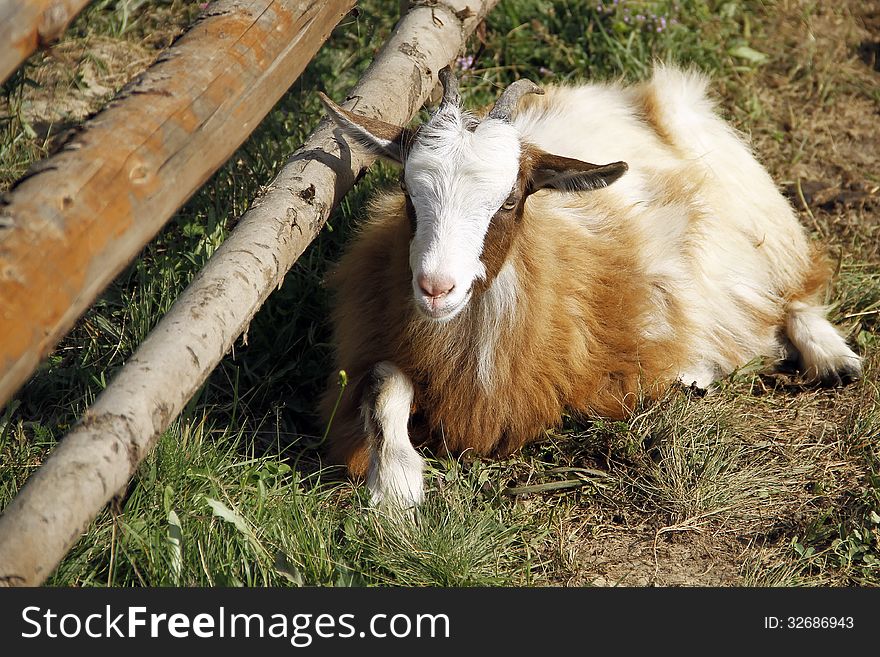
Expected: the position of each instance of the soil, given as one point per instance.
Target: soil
(79, 75)
(815, 127)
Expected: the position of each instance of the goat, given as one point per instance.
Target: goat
(510, 280)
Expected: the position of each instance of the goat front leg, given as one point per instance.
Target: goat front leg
(396, 472)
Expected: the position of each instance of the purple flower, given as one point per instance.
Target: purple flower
(465, 63)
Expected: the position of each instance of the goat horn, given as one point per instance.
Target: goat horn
(450, 87)
(511, 96)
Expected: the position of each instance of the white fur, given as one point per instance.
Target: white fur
(457, 180)
(822, 349)
(701, 375)
(721, 248)
(725, 248)
(396, 468)
(497, 310)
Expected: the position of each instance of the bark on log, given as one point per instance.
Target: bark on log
(26, 26)
(98, 457)
(68, 229)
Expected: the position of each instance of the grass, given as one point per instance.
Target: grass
(777, 484)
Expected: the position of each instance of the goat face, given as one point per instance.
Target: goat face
(466, 182)
(458, 177)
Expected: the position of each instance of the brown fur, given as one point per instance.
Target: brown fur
(652, 111)
(597, 323)
(573, 344)
(817, 278)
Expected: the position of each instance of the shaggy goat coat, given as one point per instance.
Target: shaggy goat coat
(689, 266)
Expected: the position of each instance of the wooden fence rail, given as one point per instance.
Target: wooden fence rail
(99, 456)
(67, 230)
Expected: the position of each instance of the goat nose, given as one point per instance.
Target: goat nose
(435, 286)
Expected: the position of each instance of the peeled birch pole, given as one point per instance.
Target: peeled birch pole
(26, 25)
(82, 215)
(98, 457)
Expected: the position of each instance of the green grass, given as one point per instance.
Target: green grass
(235, 492)
(201, 512)
(19, 143)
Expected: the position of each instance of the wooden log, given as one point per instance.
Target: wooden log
(69, 228)
(27, 26)
(98, 457)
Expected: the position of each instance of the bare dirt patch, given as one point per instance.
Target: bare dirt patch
(820, 137)
(712, 492)
(812, 113)
(649, 557)
(78, 76)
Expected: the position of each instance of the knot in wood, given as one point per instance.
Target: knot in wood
(139, 174)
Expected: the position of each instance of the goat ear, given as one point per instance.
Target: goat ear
(570, 175)
(377, 137)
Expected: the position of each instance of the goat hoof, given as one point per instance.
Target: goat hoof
(398, 482)
(844, 375)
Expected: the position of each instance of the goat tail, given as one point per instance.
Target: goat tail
(678, 106)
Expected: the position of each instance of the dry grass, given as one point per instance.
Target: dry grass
(764, 482)
(78, 77)
(58, 88)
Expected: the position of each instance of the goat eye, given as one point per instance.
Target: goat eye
(510, 203)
